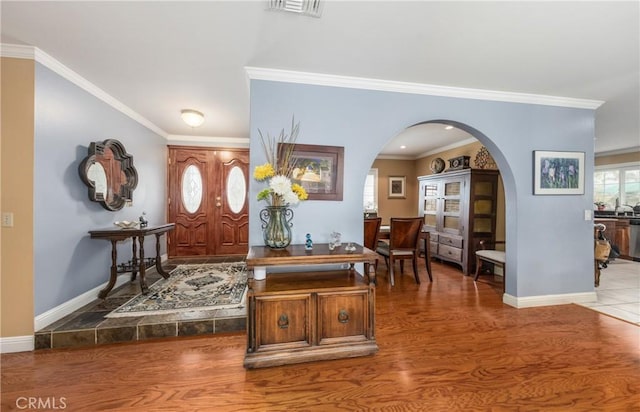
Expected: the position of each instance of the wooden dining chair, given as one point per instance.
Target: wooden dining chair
(371, 234)
(403, 244)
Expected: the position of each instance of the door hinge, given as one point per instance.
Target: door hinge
(169, 160)
(168, 201)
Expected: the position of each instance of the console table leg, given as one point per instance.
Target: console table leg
(134, 260)
(114, 271)
(143, 282)
(159, 268)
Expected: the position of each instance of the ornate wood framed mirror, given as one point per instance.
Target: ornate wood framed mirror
(109, 174)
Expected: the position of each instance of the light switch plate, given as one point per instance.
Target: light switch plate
(7, 219)
(587, 214)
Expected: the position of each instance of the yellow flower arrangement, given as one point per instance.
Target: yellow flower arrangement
(276, 172)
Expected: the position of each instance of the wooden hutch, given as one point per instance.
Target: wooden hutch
(307, 313)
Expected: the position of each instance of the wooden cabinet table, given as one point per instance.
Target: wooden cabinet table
(138, 260)
(309, 314)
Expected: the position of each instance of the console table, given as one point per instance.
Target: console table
(138, 262)
(309, 314)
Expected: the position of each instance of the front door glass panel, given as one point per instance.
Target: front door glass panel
(236, 189)
(191, 189)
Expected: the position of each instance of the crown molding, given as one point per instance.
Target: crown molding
(30, 52)
(430, 152)
(208, 141)
(395, 157)
(17, 51)
(635, 149)
(448, 147)
(319, 79)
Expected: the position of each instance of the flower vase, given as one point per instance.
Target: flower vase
(276, 226)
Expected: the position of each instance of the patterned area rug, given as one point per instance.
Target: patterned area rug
(191, 287)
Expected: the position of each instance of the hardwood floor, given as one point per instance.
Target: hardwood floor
(450, 345)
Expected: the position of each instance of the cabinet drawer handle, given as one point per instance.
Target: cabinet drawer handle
(283, 321)
(343, 316)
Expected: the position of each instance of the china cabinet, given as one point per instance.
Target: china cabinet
(459, 210)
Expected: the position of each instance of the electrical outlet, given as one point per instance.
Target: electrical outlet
(7, 219)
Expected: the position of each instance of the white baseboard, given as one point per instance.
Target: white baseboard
(548, 300)
(76, 303)
(17, 344)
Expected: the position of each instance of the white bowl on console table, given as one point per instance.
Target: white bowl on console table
(126, 224)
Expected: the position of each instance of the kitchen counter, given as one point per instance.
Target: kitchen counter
(618, 232)
(610, 214)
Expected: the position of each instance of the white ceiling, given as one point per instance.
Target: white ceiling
(160, 57)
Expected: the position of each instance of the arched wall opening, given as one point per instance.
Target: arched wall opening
(486, 142)
(550, 241)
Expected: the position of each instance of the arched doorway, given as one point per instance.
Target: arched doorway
(461, 207)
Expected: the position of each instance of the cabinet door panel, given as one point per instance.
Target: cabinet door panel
(452, 188)
(283, 320)
(342, 316)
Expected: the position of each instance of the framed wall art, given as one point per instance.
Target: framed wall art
(319, 169)
(397, 187)
(558, 173)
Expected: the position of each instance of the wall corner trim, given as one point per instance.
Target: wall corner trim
(319, 79)
(17, 344)
(548, 300)
(30, 52)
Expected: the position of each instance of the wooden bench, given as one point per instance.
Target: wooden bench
(495, 257)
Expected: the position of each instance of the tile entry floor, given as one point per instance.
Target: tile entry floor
(619, 291)
(88, 325)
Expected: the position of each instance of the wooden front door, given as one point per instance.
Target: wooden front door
(208, 201)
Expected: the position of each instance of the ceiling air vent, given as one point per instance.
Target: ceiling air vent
(305, 7)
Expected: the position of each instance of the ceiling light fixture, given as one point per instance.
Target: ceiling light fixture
(311, 8)
(403, 147)
(192, 117)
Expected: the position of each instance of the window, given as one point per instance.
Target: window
(621, 182)
(370, 196)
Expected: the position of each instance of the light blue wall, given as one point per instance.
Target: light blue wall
(67, 262)
(550, 246)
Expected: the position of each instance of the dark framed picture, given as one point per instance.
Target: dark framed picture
(397, 185)
(558, 173)
(319, 169)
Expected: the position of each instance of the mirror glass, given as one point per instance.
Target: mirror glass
(96, 173)
(109, 174)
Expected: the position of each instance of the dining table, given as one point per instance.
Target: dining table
(385, 233)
